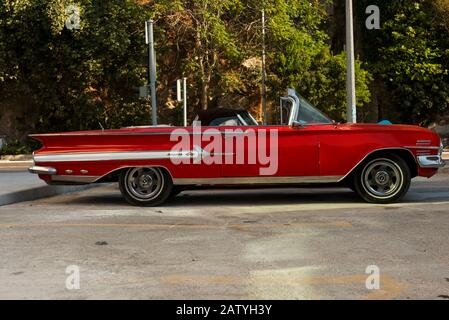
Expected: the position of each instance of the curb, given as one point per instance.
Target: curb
(15, 164)
(17, 157)
(40, 192)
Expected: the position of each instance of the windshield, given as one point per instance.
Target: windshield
(308, 114)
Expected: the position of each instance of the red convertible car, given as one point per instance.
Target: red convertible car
(305, 147)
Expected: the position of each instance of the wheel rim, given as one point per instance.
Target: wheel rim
(144, 183)
(382, 178)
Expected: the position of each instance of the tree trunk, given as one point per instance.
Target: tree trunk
(204, 86)
(204, 95)
(204, 83)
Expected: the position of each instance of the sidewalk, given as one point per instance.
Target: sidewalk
(18, 185)
(21, 161)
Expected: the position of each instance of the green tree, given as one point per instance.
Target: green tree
(81, 78)
(221, 45)
(202, 33)
(301, 57)
(75, 79)
(410, 54)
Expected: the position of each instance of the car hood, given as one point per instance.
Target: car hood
(382, 127)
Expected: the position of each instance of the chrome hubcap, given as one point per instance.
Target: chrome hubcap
(382, 178)
(144, 183)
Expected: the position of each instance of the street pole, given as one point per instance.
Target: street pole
(152, 68)
(184, 100)
(264, 73)
(350, 67)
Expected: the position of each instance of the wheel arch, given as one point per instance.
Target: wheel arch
(404, 153)
(113, 175)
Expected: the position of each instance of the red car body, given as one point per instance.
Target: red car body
(306, 153)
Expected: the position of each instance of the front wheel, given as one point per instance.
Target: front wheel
(145, 186)
(383, 180)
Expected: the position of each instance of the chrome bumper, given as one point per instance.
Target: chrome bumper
(42, 170)
(431, 161)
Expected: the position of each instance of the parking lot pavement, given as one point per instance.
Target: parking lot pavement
(228, 244)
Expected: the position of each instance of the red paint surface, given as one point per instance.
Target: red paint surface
(315, 150)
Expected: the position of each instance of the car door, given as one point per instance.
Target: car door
(270, 151)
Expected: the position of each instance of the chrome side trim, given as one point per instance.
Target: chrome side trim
(95, 156)
(217, 181)
(101, 133)
(197, 154)
(42, 170)
(422, 147)
(74, 179)
(431, 162)
(105, 156)
(256, 180)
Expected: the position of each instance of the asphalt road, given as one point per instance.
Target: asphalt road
(269, 244)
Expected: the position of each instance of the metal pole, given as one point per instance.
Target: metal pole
(264, 74)
(152, 68)
(184, 99)
(350, 68)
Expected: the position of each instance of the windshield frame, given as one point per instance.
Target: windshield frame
(301, 102)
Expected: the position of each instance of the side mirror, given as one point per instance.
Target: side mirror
(296, 125)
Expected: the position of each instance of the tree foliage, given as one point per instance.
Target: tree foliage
(410, 54)
(75, 79)
(85, 78)
(301, 57)
(220, 44)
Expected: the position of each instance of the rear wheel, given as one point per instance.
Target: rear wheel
(145, 186)
(385, 179)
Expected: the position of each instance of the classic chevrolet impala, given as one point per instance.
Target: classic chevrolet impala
(305, 147)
